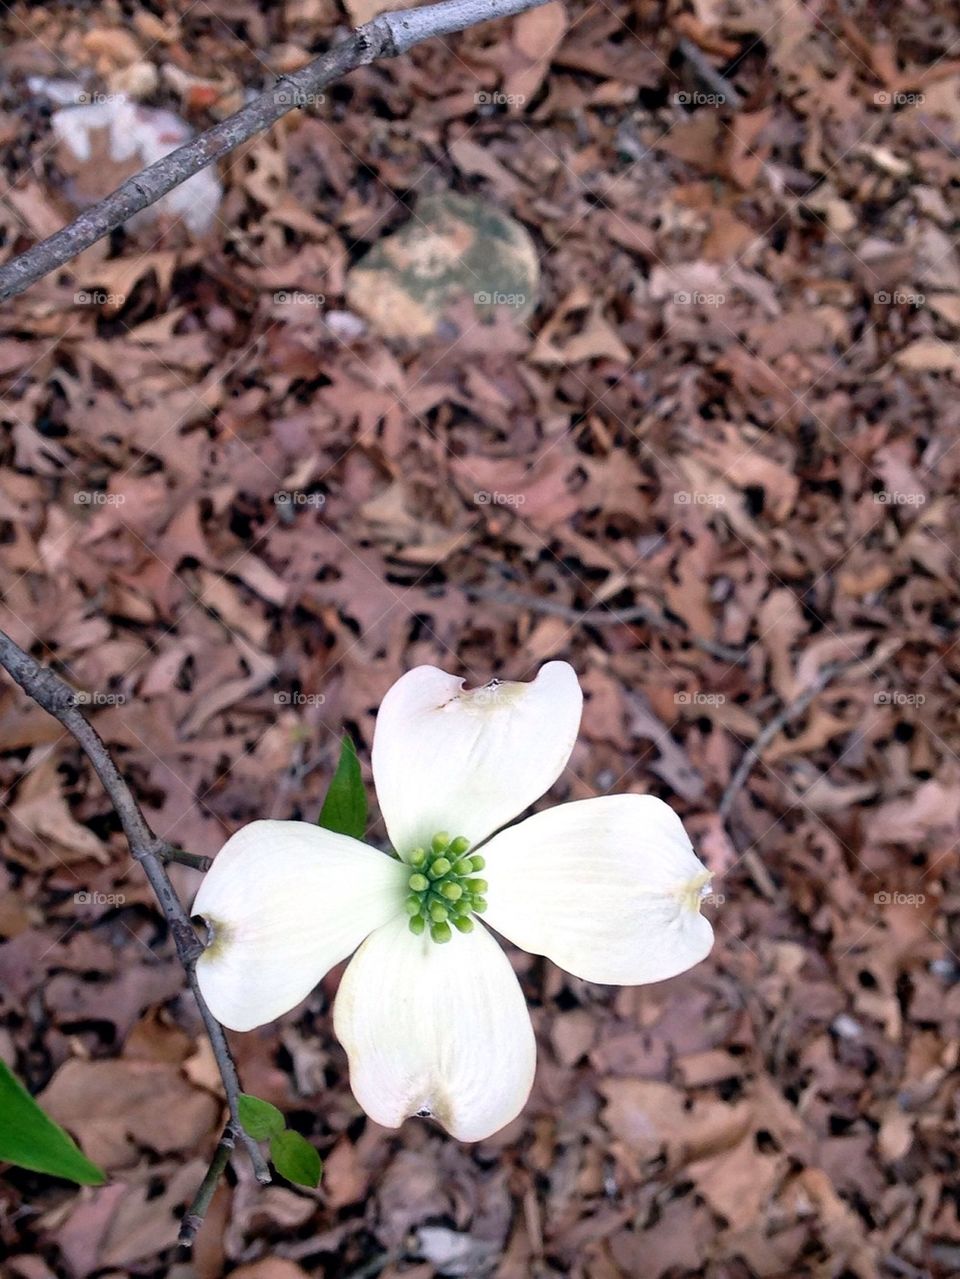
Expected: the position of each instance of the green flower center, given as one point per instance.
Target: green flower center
(444, 890)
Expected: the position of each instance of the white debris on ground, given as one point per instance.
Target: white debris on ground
(129, 132)
(60, 92)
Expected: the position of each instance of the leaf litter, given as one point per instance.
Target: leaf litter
(233, 514)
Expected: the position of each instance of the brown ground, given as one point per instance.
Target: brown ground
(771, 467)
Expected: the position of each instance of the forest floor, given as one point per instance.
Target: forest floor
(235, 512)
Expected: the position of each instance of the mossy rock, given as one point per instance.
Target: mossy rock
(453, 248)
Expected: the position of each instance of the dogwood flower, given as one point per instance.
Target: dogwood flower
(429, 1009)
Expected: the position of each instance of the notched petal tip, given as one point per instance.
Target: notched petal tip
(469, 760)
(693, 892)
(219, 936)
(610, 889)
(436, 1032)
(284, 902)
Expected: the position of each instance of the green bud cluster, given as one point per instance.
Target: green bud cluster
(444, 889)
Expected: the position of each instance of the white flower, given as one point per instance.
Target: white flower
(607, 888)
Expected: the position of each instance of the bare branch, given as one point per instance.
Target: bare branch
(387, 36)
(56, 697)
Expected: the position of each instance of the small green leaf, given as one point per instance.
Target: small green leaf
(32, 1140)
(294, 1158)
(345, 807)
(260, 1118)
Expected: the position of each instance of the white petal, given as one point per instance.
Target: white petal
(286, 901)
(607, 888)
(467, 762)
(438, 1029)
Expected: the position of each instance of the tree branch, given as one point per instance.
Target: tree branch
(387, 36)
(58, 699)
(193, 1218)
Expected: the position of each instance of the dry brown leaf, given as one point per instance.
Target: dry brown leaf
(117, 1108)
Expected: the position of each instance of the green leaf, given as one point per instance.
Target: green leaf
(32, 1140)
(294, 1158)
(345, 807)
(259, 1118)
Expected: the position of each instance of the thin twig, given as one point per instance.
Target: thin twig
(387, 36)
(603, 617)
(709, 75)
(751, 859)
(58, 699)
(826, 675)
(194, 860)
(193, 1219)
